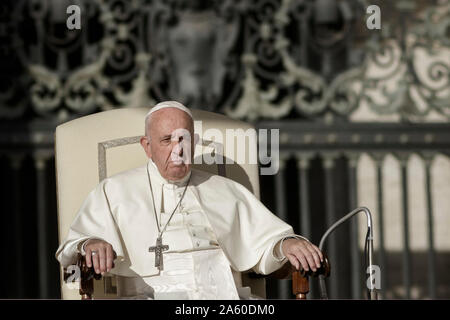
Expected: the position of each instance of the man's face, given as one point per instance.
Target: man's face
(171, 142)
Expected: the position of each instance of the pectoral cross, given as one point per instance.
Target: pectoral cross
(158, 249)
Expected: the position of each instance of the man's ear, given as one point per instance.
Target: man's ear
(145, 143)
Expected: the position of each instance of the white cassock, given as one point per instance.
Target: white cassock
(218, 224)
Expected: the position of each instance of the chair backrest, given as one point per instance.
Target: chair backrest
(94, 147)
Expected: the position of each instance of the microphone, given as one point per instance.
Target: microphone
(372, 294)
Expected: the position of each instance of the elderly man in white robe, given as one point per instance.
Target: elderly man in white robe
(172, 232)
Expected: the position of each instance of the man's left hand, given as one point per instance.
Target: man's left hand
(302, 252)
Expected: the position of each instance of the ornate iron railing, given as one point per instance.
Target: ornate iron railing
(309, 152)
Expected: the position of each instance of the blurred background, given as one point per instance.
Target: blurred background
(363, 114)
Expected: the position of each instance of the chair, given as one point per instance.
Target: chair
(94, 147)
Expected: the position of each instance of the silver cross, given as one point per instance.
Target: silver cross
(158, 249)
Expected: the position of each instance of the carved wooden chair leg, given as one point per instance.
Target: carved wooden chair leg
(300, 285)
(300, 278)
(86, 289)
(87, 278)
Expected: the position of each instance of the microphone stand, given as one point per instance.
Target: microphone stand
(372, 294)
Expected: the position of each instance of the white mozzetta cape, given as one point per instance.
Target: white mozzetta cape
(120, 211)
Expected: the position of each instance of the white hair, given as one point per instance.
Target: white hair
(163, 105)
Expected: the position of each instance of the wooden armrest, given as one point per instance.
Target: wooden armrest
(300, 278)
(87, 276)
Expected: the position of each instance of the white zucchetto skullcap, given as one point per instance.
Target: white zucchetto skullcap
(170, 104)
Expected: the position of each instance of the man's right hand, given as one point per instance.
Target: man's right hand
(100, 254)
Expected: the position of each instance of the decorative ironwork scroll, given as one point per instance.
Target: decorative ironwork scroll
(250, 59)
